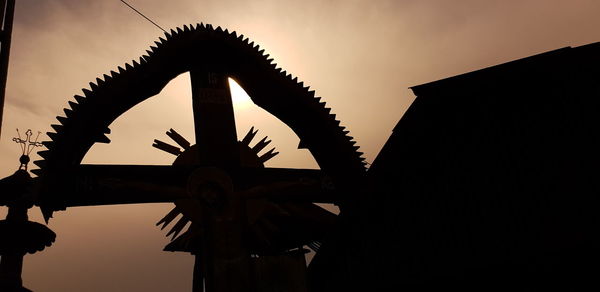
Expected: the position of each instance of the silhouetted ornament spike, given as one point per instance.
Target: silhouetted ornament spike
(73, 105)
(158, 45)
(53, 136)
(249, 136)
(86, 92)
(57, 128)
(121, 70)
(44, 153)
(128, 67)
(241, 38)
(162, 40)
(199, 26)
(40, 163)
(261, 145)
(234, 34)
(37, 171)
(80, 99)
(301, 84)
(100, 81)
(186, 27)
(106, 130)
(302, 145)
(62, 120)
(336, 122)
(269, 61)
(150, 53)
(328, 110)
(48, 144)
(251, 44)
(166, 147)
(135, 64)
(168, 218)
(144, 59)
(168, 35)
(106, 77)
(68, 112)
(295, 79)
(102, 139)
(312, 93)
(173, 33)
(278, 70)
(219, 29)
(179, 30)
(261, 52)
(267, 57)
(267, 156)
(93, 86)
(178, 227)
(273, 66)
(185, 144)
(284, 73)
(226, 31)
(113, 74)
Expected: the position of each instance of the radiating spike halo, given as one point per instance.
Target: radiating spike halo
(249, 136)
(261, 145)
(180, 140)
(267, 156)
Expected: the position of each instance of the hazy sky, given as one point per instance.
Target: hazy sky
(359, 55)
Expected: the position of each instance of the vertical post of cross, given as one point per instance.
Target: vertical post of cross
(7, 10)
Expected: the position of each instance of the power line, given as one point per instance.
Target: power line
(144, 16)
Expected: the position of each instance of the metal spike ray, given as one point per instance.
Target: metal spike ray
(267, 156)
(168, 218)
(184, 143)
(166, 147)
(179, 30)
(93, 86)
(121, 70)
(261, 145)
(178, 227)
(249, 136)
(38, 172)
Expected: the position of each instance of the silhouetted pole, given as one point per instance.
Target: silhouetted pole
(6, 22)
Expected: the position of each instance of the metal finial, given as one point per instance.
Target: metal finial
(26, 146)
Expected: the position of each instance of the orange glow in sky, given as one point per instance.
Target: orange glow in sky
(361, 56)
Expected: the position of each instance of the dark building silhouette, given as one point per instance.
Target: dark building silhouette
(488, 182)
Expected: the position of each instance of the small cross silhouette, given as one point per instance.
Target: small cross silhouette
(26, 146)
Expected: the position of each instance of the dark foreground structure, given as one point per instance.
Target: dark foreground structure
(488, 182)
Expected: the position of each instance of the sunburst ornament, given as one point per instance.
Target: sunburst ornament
(187, 154)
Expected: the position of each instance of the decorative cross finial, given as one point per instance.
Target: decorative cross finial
(26, 146)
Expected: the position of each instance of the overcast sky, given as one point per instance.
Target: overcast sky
(361, 56)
